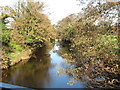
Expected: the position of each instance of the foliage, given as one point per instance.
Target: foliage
(94, 47)
(35, 28)
(29, 27)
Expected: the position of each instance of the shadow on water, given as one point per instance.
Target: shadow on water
(40, 71)
(32, 74)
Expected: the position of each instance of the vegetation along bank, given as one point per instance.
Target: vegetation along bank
(24, 29)
(92, 39)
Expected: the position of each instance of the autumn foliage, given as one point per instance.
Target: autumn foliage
(29, 28)
(92, 38)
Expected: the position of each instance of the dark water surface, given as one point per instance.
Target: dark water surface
(40, 71)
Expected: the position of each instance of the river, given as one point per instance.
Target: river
(41, 71)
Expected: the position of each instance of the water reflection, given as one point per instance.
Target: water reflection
(96, 73)
(40, 71)
(34, 74)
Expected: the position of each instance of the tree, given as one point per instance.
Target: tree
(30, 28)
(94, 46)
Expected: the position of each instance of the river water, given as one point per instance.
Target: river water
(40, 71)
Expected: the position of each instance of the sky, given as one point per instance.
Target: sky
(55, 9)
(61, 8)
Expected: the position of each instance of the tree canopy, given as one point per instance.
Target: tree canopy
(93, 40)
(29, 27)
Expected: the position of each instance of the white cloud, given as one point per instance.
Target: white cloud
(61, 8)
(58, 8)
(7, 2)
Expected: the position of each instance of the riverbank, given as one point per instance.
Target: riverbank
(40, 71)
(27, 30)
(22, 56)
(17, 57)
